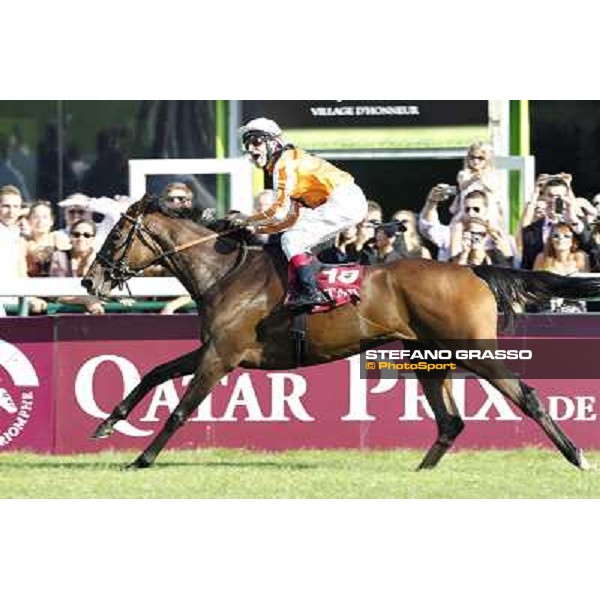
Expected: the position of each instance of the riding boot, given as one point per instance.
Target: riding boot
(306, 293)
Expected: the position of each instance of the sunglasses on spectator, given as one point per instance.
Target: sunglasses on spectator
(85, 234)
(473, 208)
(473, 157)
(477, 236)
(557, 236)
(77, 211)
(180, 198)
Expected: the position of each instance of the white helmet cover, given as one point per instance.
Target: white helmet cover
(260, 126)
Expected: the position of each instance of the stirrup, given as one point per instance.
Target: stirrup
(304, 300)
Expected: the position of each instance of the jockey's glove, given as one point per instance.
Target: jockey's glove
(238, 222)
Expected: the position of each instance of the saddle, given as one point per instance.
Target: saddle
(341, 284)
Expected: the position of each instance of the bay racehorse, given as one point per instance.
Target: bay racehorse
(240, 292)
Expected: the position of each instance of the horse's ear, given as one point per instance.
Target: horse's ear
(140, 206)
(146, 199)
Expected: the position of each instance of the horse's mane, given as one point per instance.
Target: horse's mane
(200, 217)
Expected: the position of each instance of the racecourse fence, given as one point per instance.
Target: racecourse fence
(55, 287)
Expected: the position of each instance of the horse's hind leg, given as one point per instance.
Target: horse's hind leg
(183, 365)
(532, 407)
(437, 388)
(526, 398)
(211, 368)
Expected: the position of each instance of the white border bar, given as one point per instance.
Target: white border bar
(239, 169)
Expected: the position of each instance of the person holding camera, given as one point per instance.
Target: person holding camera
(534, 209)
(385, 237)
(356, 243)
(498, 243)
(343, 250)
(365, 239)
(561, 207)
(409, 243)
(475, 203)
(482, 244)
(581, 208)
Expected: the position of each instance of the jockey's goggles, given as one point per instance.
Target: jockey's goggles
(256, 139)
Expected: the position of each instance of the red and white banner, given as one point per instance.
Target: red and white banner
(27, 399)
(62, 375)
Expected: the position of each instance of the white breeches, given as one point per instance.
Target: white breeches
(346, 206)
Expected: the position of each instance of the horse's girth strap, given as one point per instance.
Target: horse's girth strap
(299, 336)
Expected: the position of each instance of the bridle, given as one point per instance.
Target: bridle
(119, 271)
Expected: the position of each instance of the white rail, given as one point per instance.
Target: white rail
(160, 287)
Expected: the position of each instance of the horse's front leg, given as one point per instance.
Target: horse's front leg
(183, 365)
(211, 368)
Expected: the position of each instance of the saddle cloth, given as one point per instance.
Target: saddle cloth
(341, 282)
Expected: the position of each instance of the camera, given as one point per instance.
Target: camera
(392, 228)
(559, 205)
(449, 191)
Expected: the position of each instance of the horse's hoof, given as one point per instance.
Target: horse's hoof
(583, 464)
(138, 463)
(103, 431)
(425, 466)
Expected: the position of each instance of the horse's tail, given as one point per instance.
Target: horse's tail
(517, 287)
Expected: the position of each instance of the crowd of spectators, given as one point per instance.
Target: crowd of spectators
(462, 221)
(558, 231)
(33, 247)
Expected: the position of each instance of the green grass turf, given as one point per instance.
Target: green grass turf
(219, 473)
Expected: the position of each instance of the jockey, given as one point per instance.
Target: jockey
(314, 201)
